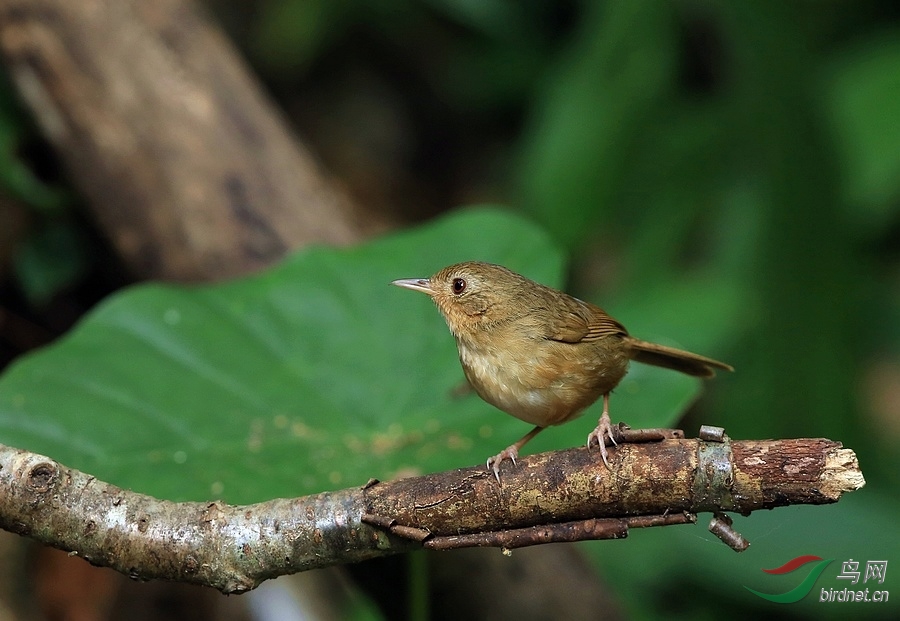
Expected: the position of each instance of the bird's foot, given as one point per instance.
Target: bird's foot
(493, 463)
(600, 434)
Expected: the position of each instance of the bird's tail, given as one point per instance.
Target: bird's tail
(675, 359)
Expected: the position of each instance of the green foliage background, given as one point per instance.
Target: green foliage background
(737, 196)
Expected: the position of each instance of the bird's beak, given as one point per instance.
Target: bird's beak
(416, 284)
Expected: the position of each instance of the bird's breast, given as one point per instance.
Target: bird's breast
(538, 381)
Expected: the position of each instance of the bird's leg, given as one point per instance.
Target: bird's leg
(510, 452)
(603, 431)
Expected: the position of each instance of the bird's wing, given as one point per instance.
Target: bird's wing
(581, 321)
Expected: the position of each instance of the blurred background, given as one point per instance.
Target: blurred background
(738, 163)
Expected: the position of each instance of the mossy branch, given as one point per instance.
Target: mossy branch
(559, 496)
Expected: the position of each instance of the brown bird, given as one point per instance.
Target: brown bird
(537, 353)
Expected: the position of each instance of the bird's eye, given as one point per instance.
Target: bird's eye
(459, 285)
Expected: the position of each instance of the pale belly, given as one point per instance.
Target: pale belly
(545, 385)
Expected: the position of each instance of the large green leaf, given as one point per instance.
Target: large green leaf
(313, 375)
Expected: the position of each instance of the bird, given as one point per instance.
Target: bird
(537, 353)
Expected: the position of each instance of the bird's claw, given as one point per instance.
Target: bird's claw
(493, 463)
(600, 434)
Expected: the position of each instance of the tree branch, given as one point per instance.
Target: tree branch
(560, 496)
(188, 166)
